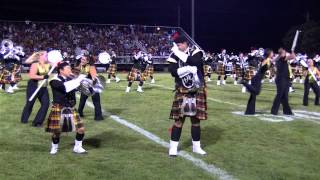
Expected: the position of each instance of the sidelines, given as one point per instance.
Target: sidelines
(304, 115)
(211, 169)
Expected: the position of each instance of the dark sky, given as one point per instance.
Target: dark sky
(231, 24)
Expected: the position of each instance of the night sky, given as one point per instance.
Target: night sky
(233, 24)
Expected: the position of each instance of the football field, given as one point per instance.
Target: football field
(131, 143)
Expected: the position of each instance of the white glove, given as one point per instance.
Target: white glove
(174, 48)
(186, 70)
(193, 69)
(73, 84)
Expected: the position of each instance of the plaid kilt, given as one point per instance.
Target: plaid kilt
(220, 69)
(298, 71)
(5, 76)
(207, 70)
(201, 101)
(53, 125)
(112, 69)
(17, 75)
(149, 71)
(237, 70)
(249, 73)
(134, 75)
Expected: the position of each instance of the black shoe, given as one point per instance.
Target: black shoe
(81, 115)
(100, 118)
(24, 122)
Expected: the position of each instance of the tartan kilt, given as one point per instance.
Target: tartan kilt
(5, 76)
(17, 76)
(201, 101)
(207, 70)
(53, 124)
(112, 69)
(249, 73)
(134, 74)
(298, 71)
(149, 71)
(237, 70)
(220, 69)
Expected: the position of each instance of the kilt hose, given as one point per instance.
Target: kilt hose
(201, 104)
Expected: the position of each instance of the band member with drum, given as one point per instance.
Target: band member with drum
(112, 69)
(283, 76)
(255, 86)
(137, 72)
(86, 66)
(38, 71)
(311, 82)
(150, 67)
(63, 116)
(190, 100)
(222, 62)
(208, 66)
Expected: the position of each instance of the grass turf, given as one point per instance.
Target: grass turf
(244, 146)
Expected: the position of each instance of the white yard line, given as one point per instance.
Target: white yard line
(210, 168)
(304, 115)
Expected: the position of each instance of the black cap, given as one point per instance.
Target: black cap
(180, 39)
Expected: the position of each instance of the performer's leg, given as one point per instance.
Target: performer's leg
(251, 106)
(316, 91)
(285, 102)
(29, 104)
(140, 86)
(196, 133)
(97, 107)
(306, 92)
(175, 136)
(82, 103)
(129, 86)
(44, 100)
(78, 141)
(277, 99)
(55, 143)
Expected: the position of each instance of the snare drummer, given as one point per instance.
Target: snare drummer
(63, 116)
(190, 100)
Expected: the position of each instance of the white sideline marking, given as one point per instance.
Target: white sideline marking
(304, 115)
(209, 98)
(210, 168)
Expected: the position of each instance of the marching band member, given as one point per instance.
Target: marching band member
(186, 66)
(112, 69)
(63, 116)
(255, 86)
(150, 68)
(86, 66)
(311, 82)
(207, 66)
(38, 71)
(11, 65)
(137, 71)
(222, 62)
(283, 76)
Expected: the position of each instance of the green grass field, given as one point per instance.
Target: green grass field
(247, 147)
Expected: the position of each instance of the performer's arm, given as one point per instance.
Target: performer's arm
(196, 60)
(33, 73)
(173, 69)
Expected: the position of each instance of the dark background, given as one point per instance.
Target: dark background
(233, 24)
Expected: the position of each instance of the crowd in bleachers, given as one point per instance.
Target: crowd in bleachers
(95, 38)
